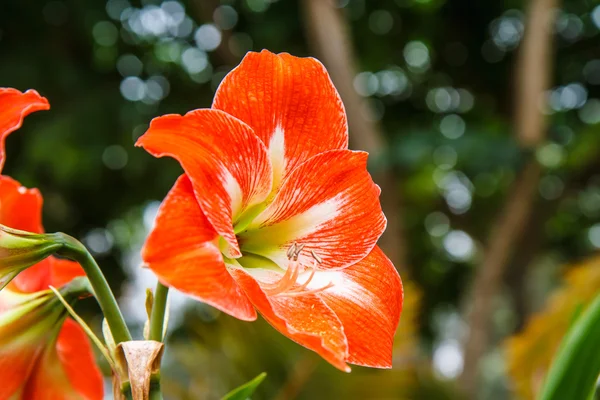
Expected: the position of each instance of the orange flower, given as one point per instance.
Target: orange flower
(274, 212)
(43, 355)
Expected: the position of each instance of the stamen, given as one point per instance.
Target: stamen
(305, 292)
(294, 251)
(318, 259)
(286, 282)
(288, 285)
(312, 274)
(291, 251)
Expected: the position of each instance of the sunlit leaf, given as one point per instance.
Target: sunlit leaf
(407, 336)
(574, 372)
(530, 353)
(246, 390)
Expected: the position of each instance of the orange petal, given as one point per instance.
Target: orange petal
(14, 107)
(330, 205)
(290, 103)
(26, 322)
(182, 251)
(304, 319)
(33, 279)
(67, 369)
(16, 364)
(63, 271)
(21, 208)
(367, 298)
(227, 164)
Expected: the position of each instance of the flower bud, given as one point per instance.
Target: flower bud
(20, 250)
(33, 339)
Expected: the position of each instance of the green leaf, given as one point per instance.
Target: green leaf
(576, 366)
(246, 390)
(86, 328)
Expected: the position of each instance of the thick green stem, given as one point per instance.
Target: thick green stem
(76, 251)
(157, 317)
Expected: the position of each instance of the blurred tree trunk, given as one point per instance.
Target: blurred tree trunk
(525, 255)
(298, 377)
(329, 36)
(204, 11)
(532, 72)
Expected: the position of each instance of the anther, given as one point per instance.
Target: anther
(291, 250)
(288, 284)
(318, 259)
(294, 251)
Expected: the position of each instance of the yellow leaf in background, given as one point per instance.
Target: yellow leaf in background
(530, 352)
(406, 341)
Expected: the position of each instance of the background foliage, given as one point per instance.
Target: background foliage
(436, 75)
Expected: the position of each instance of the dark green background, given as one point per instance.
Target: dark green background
(96, 184)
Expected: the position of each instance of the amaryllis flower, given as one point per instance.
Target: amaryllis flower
(275, 214)
(43, 355)
(14, 107)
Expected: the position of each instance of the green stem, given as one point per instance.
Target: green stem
(155, 393)
(157, 317)
(76, 251)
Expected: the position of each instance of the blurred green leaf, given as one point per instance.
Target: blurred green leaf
(245, 391)
(575, 369)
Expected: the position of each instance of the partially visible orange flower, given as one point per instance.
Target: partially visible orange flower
(530, 353)
(275, 214)
(14, 107)
(43, 355)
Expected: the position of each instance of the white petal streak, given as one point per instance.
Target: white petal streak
(234, 190)
(341, 287)
(277, 155)
(293, 229)
(304, 223)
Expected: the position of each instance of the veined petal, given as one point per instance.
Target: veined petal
(330, 205)
(67, 369)
(226, 162)
(182, 251)
(14, 107)
(21, 208)
(367, 298)
(305, 319)
(290, 103)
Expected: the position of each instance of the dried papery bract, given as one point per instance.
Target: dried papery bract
(138, 362)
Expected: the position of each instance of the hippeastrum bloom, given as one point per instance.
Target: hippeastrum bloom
(43, 355)
(275, 214)
(18, 252)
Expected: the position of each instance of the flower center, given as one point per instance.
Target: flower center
(289, 284)
(295, 278)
